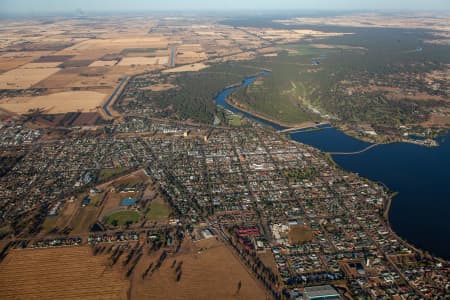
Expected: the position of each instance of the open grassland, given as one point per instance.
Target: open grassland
(159, 210)
(24, 78)
(209, 271)
(60, 273)
(74, 101)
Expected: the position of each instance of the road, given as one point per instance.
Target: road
(113, 96)
(356, 152)
(173, 53)
(307, 126)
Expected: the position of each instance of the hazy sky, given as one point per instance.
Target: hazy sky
(40, 6)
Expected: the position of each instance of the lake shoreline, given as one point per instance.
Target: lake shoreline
(225, 101)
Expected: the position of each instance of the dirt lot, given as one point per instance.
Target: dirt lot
(60, 273)
(209, 271)
(84, 101)
(300, 234)
(24, 78)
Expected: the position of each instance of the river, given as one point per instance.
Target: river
(420, 213)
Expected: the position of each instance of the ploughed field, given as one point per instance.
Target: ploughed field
(59, 273)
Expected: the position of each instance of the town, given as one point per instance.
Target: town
(254, 189)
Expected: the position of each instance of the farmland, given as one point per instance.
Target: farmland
(62, 273)
(80, 101)
(23, 78)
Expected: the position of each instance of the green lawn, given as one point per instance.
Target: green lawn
(122, 217)
(158, 211)
(106, 174)
(235, 120)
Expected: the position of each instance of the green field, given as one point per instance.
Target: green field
(122, 217)
(158, 211)
(106, 174)
(235, 120)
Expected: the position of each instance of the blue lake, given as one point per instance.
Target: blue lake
(420, 213)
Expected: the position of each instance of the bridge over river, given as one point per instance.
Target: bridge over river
(300, 128)
(356, 152)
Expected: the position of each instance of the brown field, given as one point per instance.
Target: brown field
(43, 65)
(129, 61)
(187, 68)
(53, 58)
(300, 234)
(13, 60)
(24, 78)
(65, 216)
(111, 45)
(71, 77)
(268, 260)
(83, 219)
(7, 64)
(87, 119)
(103, 63)
(76, 63)
(209, 271)
(59, 273)
(146, 53)
(438, 120)
(83, 101)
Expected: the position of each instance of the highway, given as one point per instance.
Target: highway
(173, 52)
(111, 98)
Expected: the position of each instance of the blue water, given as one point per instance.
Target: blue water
(128, 202)
(420, 213)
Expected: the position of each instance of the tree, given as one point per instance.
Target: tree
(239, 285)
